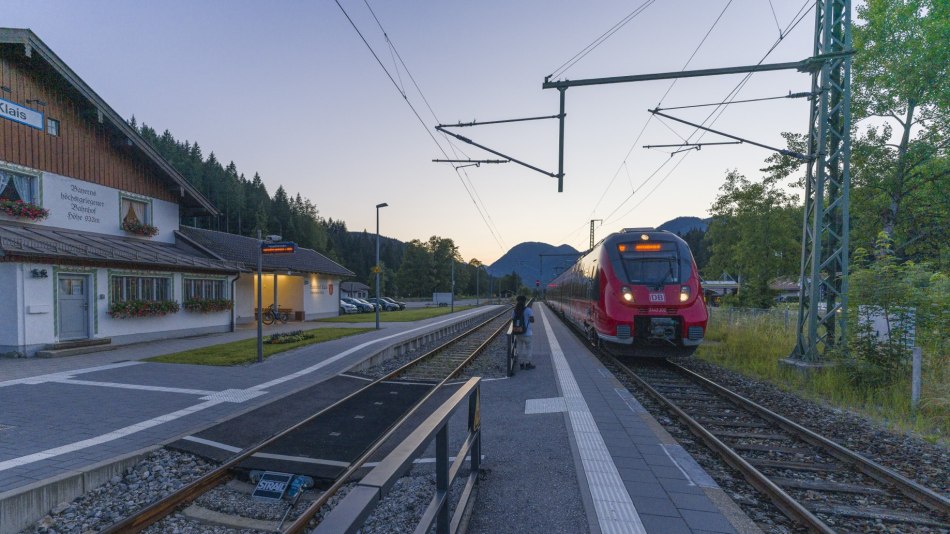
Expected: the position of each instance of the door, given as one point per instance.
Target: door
(73, 306)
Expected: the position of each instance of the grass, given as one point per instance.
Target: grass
(402, 316)
(245, 351)
(753, 347)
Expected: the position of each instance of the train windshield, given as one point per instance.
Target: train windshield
(652, 270)
(654, 263)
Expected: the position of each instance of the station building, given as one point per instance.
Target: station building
(308, 284)
(91, 250)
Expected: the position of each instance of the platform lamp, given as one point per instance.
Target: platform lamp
(378, 302)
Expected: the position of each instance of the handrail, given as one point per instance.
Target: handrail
(350, 513)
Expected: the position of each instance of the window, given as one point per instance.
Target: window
(15, 186)
(134, 211)
(652, 270)
(150, 288)
(52, 126)
(200, 288)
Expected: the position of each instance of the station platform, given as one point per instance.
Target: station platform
(566, 448)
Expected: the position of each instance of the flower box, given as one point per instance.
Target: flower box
(23, 210)
(207, 305)
(143, 229)
(142, 308)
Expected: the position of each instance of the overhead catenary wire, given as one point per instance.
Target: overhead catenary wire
(662, 98)
(466, 186)
(716, 113)
(788, 96)
(463, 176)
(600, 40)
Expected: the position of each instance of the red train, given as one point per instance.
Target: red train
(638, 291)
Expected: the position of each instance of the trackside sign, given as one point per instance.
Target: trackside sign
(287, 247)
(271, 487)
(22, 114)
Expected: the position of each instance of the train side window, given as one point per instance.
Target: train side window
(594, 280)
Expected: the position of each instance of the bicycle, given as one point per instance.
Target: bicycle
(272, 314)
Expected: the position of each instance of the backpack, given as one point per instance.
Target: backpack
(517, 324)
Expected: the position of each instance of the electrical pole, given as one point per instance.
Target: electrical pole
(824, 262)
(592, 221)
(825, 229)
(260, 306)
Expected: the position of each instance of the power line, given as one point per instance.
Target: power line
(713, 115)
(418, 117)
(493, 228)
(662, 98)
(600, 40)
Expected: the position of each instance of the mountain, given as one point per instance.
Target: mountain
(682, 225)
(524, 259)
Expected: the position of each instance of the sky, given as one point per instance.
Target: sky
(289, 89)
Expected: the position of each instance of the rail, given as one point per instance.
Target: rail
(350, 513)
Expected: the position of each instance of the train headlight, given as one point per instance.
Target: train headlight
(627, 294)
(684, 293)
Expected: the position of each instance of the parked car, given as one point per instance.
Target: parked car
(346, 307)
(360, 306)
(401, 305)
(386, 306)
(372, 306)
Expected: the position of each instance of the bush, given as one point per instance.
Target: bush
(288, 337)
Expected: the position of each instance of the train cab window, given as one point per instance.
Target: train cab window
(653, 270)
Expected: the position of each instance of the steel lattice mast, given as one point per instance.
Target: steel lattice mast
(824, 263)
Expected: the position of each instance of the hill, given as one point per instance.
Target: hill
(524, 260)
(682, 225)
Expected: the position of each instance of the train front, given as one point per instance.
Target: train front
(653, 298)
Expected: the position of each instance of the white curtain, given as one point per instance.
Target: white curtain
(24, 187)
(4, 179)
(134, 211)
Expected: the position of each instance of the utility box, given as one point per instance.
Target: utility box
(442, 299)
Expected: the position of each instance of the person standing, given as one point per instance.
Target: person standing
(525, 317)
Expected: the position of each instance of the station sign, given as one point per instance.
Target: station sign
(286, 247)
(272, 486)
(22, 114)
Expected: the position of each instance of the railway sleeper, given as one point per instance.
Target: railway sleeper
(793, 466)
(828, 486)
(727, 423)
(770, 448)
(874, 513)
(752, 435)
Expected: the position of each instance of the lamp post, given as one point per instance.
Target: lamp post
(383, 205)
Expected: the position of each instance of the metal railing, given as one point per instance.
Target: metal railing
(349, 514)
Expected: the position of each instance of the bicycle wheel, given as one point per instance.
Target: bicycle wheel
(268, 317)
(284, 317)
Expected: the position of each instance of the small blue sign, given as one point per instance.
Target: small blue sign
(271, 487)
(22, 114)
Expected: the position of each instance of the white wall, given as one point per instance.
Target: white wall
(321, 296)
(88, 207)
(39, 311)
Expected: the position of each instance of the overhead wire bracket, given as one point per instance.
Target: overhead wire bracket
(444, 129)
(784, 152)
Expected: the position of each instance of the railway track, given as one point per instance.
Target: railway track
(817, 483)
(222, 489)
